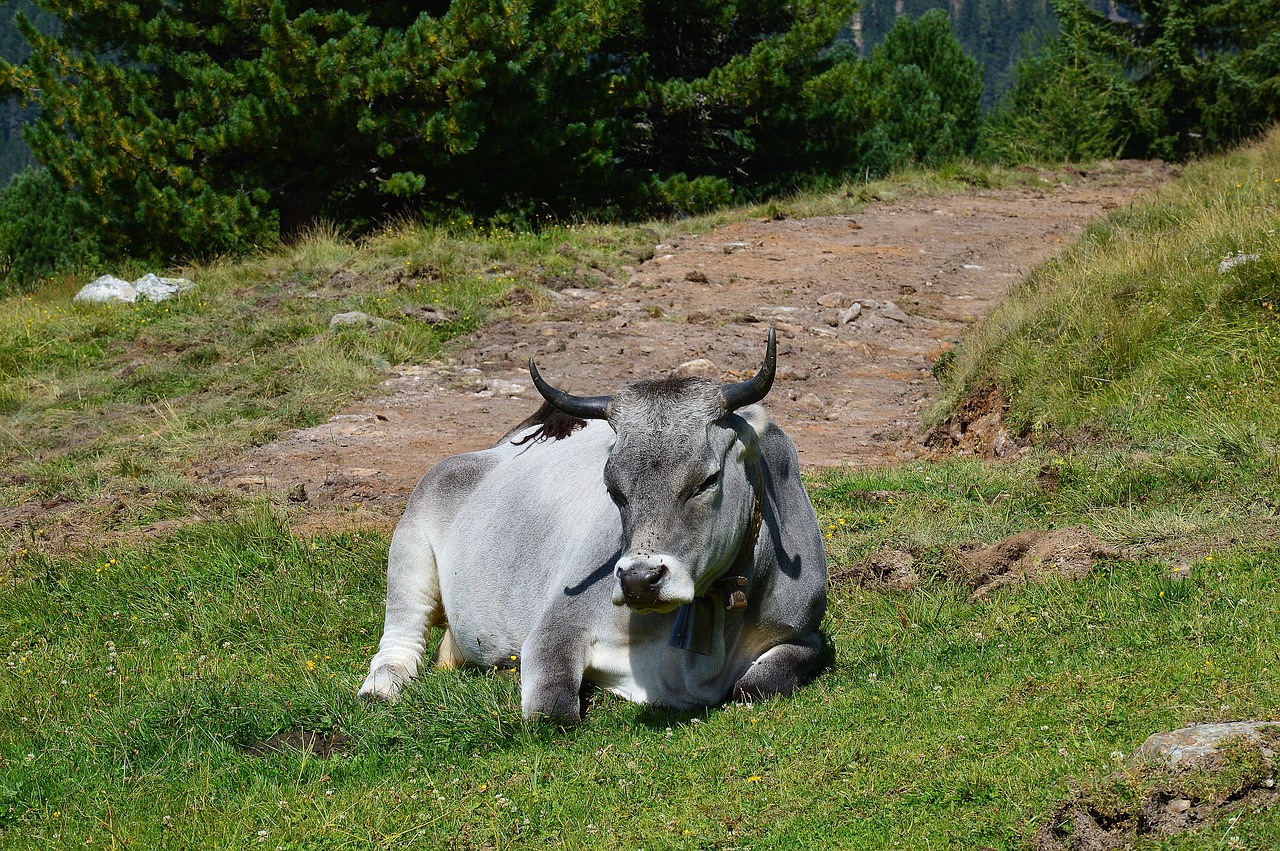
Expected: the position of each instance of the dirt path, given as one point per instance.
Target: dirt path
(851, 388)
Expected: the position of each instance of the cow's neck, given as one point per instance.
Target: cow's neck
(696, 620)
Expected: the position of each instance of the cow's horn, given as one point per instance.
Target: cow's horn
(749, 392)
(587, 407)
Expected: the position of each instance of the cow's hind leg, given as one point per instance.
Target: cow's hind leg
(779, 670)
(413, 607)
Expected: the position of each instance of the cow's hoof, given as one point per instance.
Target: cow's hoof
(384, 684)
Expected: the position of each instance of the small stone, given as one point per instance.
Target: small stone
(502, 387)
(430, 315)
(889, 310)
(699, 366)
(848, 316)
(810, 402)
(832, 299)
(354, 317)
(1178, 805)
(1232, 260)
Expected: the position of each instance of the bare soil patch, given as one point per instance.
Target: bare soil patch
(853, 380)
(1034, 556)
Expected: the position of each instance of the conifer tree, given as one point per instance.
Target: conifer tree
(193, 127)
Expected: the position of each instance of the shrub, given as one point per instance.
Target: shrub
(41, 231)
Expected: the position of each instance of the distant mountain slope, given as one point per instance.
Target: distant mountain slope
(14, 155)
(994, 32)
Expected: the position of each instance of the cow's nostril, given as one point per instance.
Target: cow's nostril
(642, 584)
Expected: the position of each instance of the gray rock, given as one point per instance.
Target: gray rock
(1233, 260)
(850, 315)
(834, 299)
(1199, 746)
(156, 288)
(889, 310)
(356, 317)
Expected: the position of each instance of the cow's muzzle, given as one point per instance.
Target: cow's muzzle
(641, 585)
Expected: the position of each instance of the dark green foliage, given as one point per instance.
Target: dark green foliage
(1070, 101)
(40, 231)
(916, 100)
(1173, 79)
(202, 128)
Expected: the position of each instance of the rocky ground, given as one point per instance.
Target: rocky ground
(863, 304)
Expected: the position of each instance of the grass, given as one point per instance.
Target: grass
(136, 673)
(133, 678)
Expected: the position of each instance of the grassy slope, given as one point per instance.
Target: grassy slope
(132, 673)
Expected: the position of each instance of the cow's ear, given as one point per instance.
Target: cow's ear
(757, 418)
(743, 393)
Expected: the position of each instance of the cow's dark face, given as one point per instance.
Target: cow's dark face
(678, 474)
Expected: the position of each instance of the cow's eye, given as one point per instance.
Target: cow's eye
(708, 484)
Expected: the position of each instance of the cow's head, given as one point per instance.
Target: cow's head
(681, 474)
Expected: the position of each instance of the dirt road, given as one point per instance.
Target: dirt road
(862, 304)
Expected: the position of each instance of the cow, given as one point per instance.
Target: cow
(657, 543)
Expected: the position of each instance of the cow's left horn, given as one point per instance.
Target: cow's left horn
(749, 392)
(586, 407)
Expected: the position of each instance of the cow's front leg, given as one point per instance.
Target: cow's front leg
(779, 670)
(551, 667)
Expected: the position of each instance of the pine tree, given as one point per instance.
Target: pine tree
(209, 126)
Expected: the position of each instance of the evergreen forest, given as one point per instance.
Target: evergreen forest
(179, 130)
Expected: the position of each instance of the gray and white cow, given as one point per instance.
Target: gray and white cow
(657, 543)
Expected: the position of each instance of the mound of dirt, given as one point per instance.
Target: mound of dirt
(890, 569)
(1033, 556)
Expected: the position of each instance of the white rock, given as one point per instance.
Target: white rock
(851, 314)
(832, 299)
(156, 288)
(107, 288)
(1233, 260)
(698, 366)
(502, 387)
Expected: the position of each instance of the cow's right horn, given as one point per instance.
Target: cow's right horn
(586, 407)
(752, 390)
